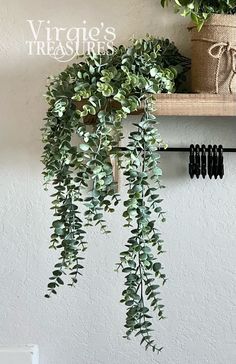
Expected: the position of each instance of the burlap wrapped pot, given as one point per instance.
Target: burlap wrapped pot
(214, 55)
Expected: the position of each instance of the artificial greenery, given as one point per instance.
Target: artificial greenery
(109, 87)
(201, 10)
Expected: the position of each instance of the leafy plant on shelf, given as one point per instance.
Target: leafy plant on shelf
(201, 10)
(109, 87)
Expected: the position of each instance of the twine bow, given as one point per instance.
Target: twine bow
(216, 51)
(220, 49)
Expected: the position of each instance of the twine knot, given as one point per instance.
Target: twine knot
(216, 51)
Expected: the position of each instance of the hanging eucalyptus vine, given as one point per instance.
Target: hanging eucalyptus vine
(107, 88)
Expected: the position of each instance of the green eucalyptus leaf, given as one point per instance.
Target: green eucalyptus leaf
(84, 147)
(156, 267)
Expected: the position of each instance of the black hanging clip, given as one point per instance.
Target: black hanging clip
(202, 164)
(191, 161)
(221, 162)
(210, 161)
(215, 161)
(197, 160)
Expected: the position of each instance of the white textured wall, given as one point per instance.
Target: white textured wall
(85, 325)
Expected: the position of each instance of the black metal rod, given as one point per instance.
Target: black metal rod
(180, 149)
(226, 150)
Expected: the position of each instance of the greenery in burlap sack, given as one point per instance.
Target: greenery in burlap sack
(111, 86)
(201, 10)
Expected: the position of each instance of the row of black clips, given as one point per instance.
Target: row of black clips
(203, 161)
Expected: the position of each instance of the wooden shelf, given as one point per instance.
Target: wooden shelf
(195, 105)
(184, 105)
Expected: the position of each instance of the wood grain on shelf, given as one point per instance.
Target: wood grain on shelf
(196, 104)
(185, 105)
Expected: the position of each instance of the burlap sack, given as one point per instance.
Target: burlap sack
(214, 55)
